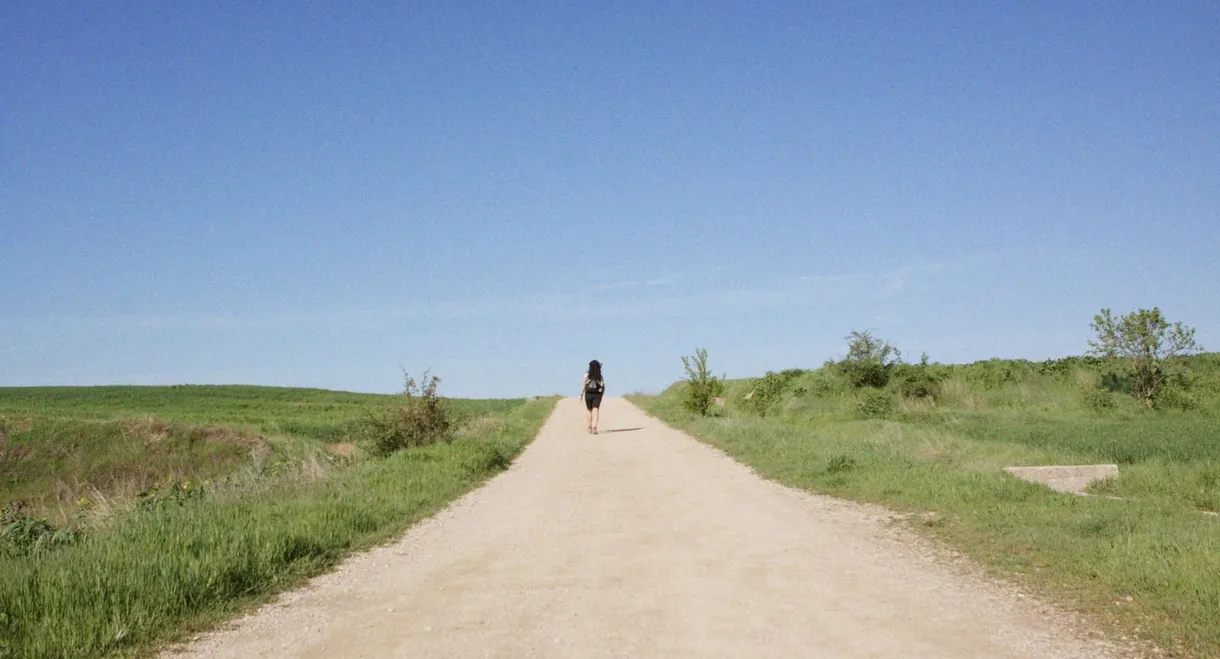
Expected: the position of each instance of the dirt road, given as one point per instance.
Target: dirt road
(642, 542)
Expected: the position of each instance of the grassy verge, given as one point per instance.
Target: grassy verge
(181, 564)
(1147, 566)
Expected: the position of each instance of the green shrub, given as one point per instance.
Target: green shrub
(1066, 367)
(702, 387)
(22, 534)
(1096, 398)
(419, 418)
(840, 463)
(874, 403)
(824, 383)
(770, 389)
(995, 373)
(1177, 397)
(869, 360)
(173, 492)
(917, 380)
(1116, 382)
(1204, 376)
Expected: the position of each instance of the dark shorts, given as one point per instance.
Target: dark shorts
(593, 401)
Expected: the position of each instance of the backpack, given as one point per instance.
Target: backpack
(595, 386)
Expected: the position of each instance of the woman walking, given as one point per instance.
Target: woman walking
(592, 388)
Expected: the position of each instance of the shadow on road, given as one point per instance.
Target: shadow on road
(602, 432)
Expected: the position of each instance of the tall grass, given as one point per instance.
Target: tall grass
(57, 466)
(179, 564)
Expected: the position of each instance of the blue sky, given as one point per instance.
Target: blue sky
(315, 194)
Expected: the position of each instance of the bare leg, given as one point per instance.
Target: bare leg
(595, 413)
(588, 419)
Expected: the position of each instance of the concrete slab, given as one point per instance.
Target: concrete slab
(1072, 479)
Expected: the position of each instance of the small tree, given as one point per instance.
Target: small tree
(418, 418)
(1143, 343)
(869, 360)
(703, 386)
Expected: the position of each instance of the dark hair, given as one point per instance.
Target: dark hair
(595, 370)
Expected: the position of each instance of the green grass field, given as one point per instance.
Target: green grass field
(185, 505)
(1147, 566)
(301, 413)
